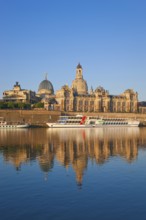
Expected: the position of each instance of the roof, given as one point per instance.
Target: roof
(79, 66)
(46, 84)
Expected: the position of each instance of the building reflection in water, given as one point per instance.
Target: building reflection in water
(70, 147)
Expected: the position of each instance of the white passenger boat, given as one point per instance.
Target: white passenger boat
(5, 124)
(80, 121)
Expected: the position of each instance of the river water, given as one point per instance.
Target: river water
(73, 174)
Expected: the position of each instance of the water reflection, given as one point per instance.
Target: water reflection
(70, 147)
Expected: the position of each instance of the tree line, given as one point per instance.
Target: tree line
(20, 105)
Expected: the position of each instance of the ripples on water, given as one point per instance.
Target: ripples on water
(73, 173)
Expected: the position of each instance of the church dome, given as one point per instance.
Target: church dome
(99, 89)
(80, 86)
(46, 87)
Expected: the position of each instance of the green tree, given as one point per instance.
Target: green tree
(38, 105)
(11, 105)
(21, 105)
(3, 105)
(27, 105)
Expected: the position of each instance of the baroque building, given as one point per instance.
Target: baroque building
(77, 98)
(19, 95)
(46, 94)
(45, 88)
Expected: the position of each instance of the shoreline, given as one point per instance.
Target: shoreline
(39, 118)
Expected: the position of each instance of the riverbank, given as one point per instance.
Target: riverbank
(39, 118)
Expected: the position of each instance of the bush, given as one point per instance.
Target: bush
(3, 105)
(14, 105)
(38, 105)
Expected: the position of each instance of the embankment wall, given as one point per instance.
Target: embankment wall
(40, 117)
(34, 117)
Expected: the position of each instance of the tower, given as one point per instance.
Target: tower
(79, 85)
(79, 72)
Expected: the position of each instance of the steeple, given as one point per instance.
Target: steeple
(79, 71)
(46, 76)
(91, 91)
(79, 84)
(79, 66)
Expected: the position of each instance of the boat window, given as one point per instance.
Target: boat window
(92, 122)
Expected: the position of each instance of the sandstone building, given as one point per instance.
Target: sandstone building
(46, 94)
(77, 98)
(19, 95)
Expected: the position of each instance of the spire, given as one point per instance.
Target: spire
(79, 74)
(79, 66)
(46, 76)
(91, 90)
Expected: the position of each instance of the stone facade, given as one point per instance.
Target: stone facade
(45, 88)
(19, 95)
(78, 99)
(142, 107)
(79, 85)
(46, 94)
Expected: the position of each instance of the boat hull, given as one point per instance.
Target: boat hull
(14, 126)
(80, 121)
(67, 126)
(89, 126)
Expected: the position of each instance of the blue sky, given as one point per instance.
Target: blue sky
(108, 38)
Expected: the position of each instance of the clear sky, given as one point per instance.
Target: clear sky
(108, 38)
